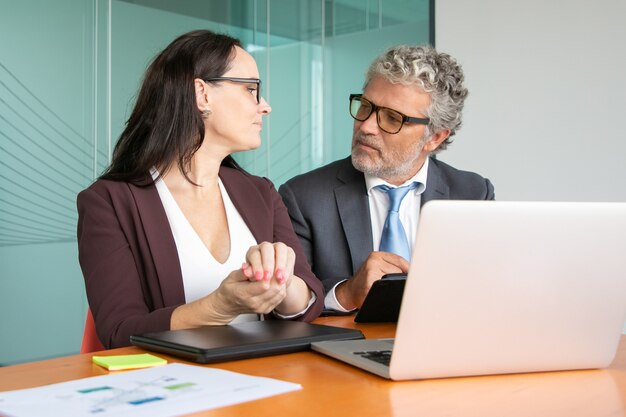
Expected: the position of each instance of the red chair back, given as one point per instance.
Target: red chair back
(91, 343)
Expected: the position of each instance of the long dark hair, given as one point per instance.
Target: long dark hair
(165, 124)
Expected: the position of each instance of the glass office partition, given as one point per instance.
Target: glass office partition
(69, 75)
(318, 53)
(47, 155)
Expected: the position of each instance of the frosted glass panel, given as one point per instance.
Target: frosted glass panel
(46, 156)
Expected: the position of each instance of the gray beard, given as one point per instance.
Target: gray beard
(389, 172)
(381, 171)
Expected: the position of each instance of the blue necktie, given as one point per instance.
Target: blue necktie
(394, 238)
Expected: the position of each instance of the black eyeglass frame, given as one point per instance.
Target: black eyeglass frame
(240, 80)
(376, 109)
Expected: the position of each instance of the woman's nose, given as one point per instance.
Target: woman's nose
(265, 106)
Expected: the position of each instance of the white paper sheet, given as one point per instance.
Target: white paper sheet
(169, 390)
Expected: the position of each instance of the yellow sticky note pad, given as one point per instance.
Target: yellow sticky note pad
(121, 362)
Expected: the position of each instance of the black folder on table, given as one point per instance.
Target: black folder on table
(211, 344)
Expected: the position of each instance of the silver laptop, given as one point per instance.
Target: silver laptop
(505, 287)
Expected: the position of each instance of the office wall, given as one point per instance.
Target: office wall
(544, 119)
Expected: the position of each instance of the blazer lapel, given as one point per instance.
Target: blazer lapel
(353, 206)
(160, 242)
(247, 201)
(436, 186)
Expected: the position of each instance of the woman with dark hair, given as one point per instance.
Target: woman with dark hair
(175, 234)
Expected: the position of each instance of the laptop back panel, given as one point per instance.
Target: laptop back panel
(507, 287)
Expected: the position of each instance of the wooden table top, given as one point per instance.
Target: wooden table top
(333, 388)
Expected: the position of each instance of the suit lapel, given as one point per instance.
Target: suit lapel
(436, 186)
(353, 207)
(248, 203)
(160, 243)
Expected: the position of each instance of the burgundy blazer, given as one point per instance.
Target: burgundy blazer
(129, 259)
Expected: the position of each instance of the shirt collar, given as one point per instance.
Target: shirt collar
(421, 176)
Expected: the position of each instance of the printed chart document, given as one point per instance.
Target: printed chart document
(169, 390)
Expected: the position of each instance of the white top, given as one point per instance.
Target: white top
(379, 207)
(201, 272)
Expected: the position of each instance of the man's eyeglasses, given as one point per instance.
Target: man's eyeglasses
(241, 80)
(389, 120)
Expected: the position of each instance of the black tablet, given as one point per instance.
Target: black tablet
(382, 303)
(211, 344)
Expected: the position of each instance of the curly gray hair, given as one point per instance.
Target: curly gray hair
(437, 73)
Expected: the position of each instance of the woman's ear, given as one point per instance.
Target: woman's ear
(203, 101)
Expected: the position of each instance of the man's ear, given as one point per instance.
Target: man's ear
(435, 140)
(203, 97)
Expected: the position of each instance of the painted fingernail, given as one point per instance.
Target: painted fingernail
(258, 275)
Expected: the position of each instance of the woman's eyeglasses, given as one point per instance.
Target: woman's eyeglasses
(241, 80)
(389, 120)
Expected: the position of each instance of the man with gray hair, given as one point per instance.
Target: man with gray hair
(357, 217)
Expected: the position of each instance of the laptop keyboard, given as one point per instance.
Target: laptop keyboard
(380, 356)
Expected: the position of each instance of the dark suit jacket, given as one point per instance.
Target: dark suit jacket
(330, 213)
(129, 259)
